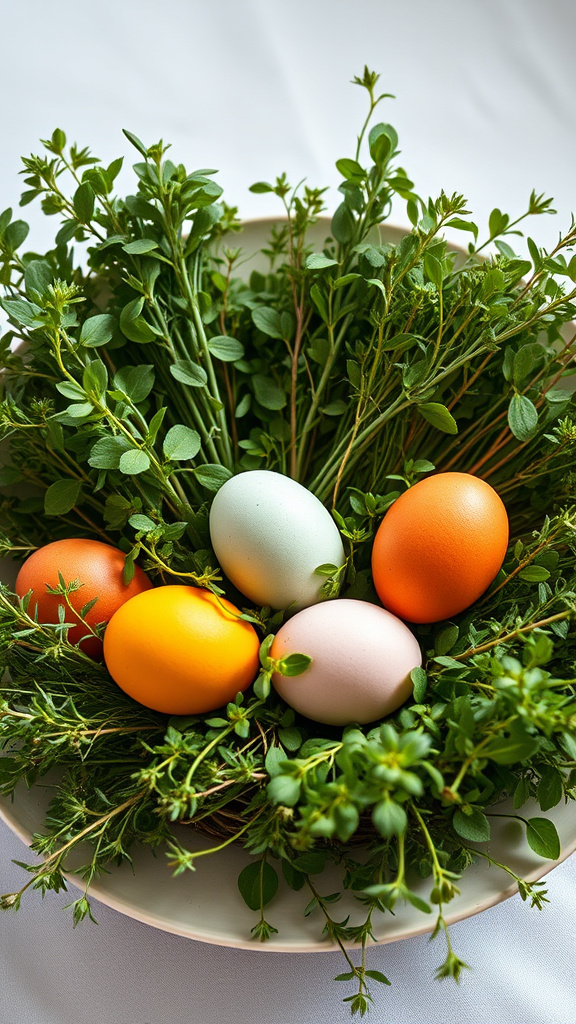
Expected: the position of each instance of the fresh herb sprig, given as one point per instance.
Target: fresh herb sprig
(152, 370)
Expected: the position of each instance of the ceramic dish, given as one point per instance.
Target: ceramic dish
(207, 905)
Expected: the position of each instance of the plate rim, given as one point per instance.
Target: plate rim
(137, 913)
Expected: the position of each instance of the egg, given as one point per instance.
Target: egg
(181, 651)
(269, 534)
(362, 657)
(439, 547)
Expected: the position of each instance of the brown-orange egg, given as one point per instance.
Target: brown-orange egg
(439, 547)
(97, 567)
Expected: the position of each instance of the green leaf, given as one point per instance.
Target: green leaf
(317, 261)
(133, 462)
(474, 826)
(294, 664)
(58, 140)
(37, 276)
(84, 202)
(419, 683)
(275, 757)
(439, 416)
(136, 382)
(95, 378)
(377, 284)
(145, 525)
(377, 975)
(187, 372)
(312, 862)
(350, 168)
(521, 792)
(135, 142)
(80, 410)
(497, 222)
(389, 818)
(15, 235)
(290, 737)
(462, 225)
(550, 789)
(543, 838)
(29, 196)
(261, 187)
(295, 879)
(446, 639)
(267, 392)
(382, 140)
(326, 569)
(23, 312)
(134, 326)
(61, 497)
(319, 300)
(341, 282)
(139, 246)
(113, 170)
(212, 476)
(343, 224)
(447, 662)
(336, 408)
(69, 389)
(258, 884)
(97, 330)
(569, 744)
(433, 269)
(107, 452)
(284, 789)
(517, 746)
(267, 320)
(264, 652)
(525, 361)
(243, 407)
(522, 417)
(423, 466)
(181, 443)
(347, 818)
(174, 531)
(534, 574)
(225, 348)
(418, 902)
(117, 511)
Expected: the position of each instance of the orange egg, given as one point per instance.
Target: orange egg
(97, 567)
(439, 547)
(181, 650)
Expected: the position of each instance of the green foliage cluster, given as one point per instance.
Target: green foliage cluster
(153, 368)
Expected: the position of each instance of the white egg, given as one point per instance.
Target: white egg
(362, 657)
(269, 534)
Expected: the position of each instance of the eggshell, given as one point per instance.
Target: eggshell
(269, 534)
(362, 657)
(439, 547)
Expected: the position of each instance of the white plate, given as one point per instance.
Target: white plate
(207, 905)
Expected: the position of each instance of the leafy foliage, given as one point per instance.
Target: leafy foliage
(156, 370)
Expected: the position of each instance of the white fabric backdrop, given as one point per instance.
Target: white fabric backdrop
(485, 106)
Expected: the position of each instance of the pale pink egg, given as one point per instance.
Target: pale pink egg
(362, 656)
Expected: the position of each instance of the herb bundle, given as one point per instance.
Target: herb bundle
(156, 370)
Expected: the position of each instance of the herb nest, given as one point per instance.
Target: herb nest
(155, 366)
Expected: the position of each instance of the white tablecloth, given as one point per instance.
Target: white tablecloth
(124, 972)
(485, 106)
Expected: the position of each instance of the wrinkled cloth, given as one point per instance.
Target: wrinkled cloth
(125, 972)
